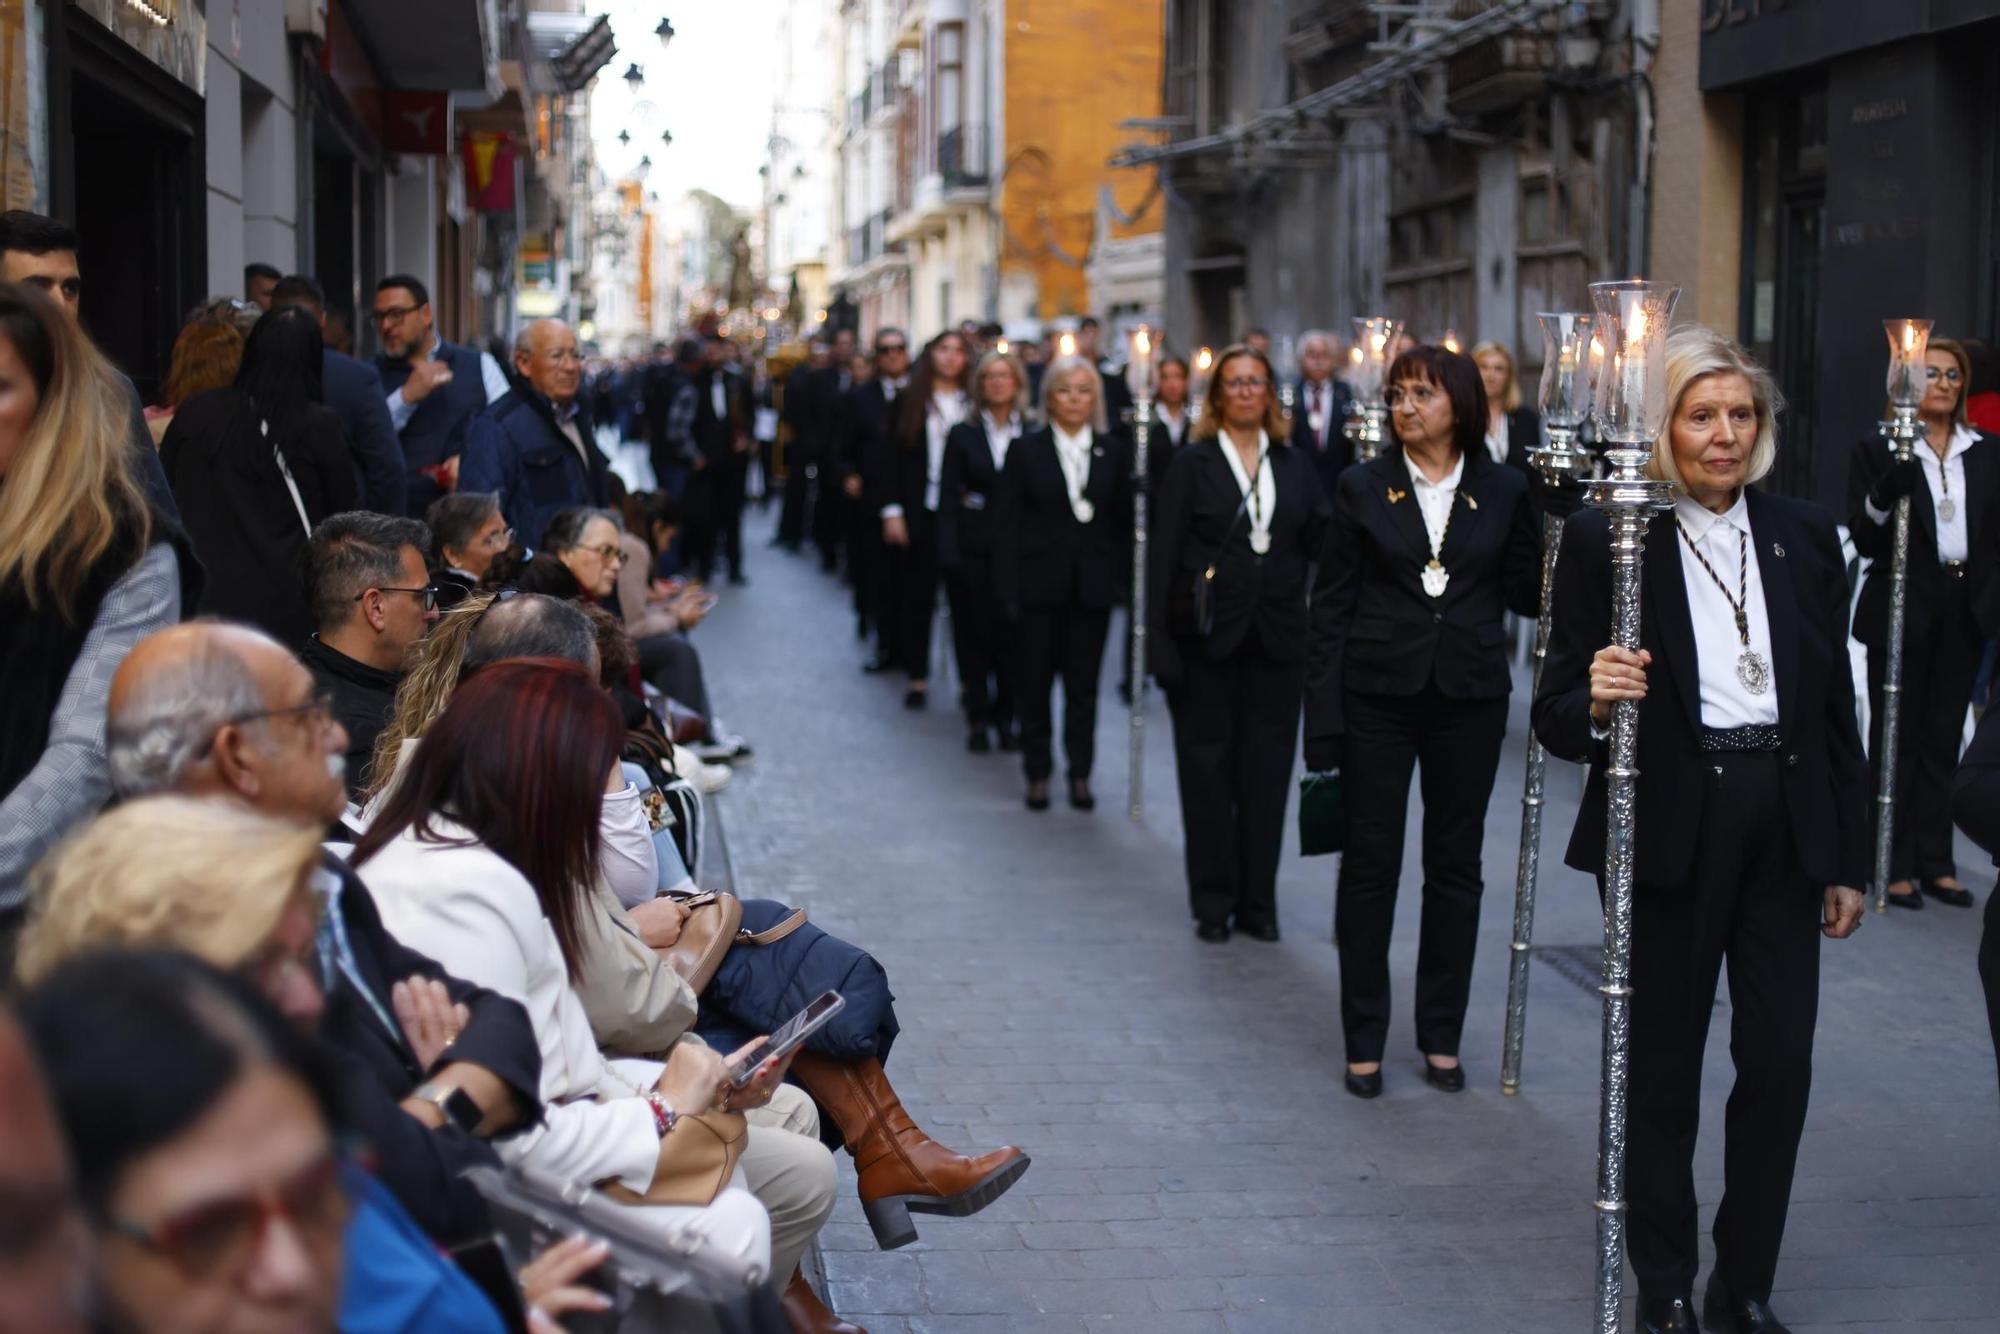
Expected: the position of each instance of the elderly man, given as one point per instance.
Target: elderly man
(372, 599)
(535, 446)
(211, 709)
(1320, 408)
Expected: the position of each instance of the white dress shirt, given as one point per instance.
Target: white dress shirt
(1496, 437)
(1724, 701)
(1435, 499)
(1174, 420)
(1262, 501)
(1000, 436)
(491, 378)
(1944, 477)
(1073, 453)
(947, 410)
(1319, 406)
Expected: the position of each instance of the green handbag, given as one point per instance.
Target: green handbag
(1322, 815)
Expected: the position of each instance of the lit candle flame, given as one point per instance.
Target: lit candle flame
(1066, 345)
(1141, 343)
(1001, 346)
(1354, 355)
(1203, 359)
(1450, 341)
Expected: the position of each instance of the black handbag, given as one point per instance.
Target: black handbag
(1191, 600)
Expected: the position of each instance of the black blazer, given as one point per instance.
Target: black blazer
(1331, 453)
(353, 389)
(1926, 588)
(1375, 630)
(968, 492)
(1261, 599)
(894, 472)
(1044, 558)
(865, 417)
(1824, 774)
(1163, 444)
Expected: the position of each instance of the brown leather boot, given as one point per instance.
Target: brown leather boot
(807, 1314)
(902, 1169)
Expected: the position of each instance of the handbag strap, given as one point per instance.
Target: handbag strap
(291, 483)
(772, 934)
(1242, 507)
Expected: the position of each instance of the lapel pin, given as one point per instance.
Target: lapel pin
(1777, 551)
(1470, 500)
(1395, 495)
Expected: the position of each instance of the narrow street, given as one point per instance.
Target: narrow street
(1197, 1166)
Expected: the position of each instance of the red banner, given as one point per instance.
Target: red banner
(416, 122)
(489, 171)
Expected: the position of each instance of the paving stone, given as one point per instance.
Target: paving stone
(1197, 1166)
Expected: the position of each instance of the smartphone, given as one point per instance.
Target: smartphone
(789, 1038)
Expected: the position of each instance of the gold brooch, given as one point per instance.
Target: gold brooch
(1470, 501)
(1395, 495)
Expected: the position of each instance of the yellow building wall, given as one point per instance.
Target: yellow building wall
(1074, 70)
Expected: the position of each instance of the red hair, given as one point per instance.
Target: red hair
(519, 758)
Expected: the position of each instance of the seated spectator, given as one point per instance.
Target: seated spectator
(89, 565)
(373, 601)
(468, 532)
(353, 390)
(207, 354)
(253, 468)
(494, 879)
(206, 1137)
(45, 1275)
(535, 446)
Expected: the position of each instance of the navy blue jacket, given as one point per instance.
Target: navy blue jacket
(436, 430)
(759, 987)
(353, 389)
(516, 449)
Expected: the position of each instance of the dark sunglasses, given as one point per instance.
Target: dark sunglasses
(220, 1236)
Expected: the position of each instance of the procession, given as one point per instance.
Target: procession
(871, 677)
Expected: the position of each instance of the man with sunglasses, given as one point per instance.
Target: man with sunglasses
(372, 599)
(434, 388)
(535, 447)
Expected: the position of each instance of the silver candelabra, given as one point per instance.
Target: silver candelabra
(1141, 379)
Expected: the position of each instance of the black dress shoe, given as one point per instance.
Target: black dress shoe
(1080, 798)
(1215, 933)
(1450, 1080)
(876, 665)
(1957, 898)
(1364, 1086)
(1670, 1315)
(1264, 931)
(1724, 1314)
(978, 741)
(739, 580)
(1913, 899)
(915, 699)
(1038, 796)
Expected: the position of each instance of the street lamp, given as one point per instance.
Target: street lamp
(666, 136)
(625, 136)
(665, 32)
(635, 76)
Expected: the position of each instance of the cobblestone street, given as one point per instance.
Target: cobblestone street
(1197, 1166)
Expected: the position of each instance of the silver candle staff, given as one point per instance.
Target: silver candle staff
(1565, 400)
(1141, 377)
(1631, 318)
(1367, 425)
(1908, 342)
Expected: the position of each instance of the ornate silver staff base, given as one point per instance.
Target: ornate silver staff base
(1560, 460)
(1629, 500)
(1142, 419)
(1902, 432)
(1367, 429)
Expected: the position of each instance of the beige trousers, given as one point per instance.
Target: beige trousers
(791, 1174)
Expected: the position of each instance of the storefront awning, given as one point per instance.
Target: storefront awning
(443, 45)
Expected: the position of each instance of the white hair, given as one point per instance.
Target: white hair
(1070, 365)
(1312, 336)
(172, 713)
(1694, 352)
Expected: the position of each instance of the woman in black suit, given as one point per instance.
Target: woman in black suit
(1512, 429)
(974, 453)
(900, 474)
(1241, 502)
(1752, 815)
(1953, 482)
(1060, 563)
(1171, 421)
(1430, 546)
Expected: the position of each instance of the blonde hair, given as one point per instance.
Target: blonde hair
(148, 873)
(976, 389)
(70, 494)
(1210, 425)
(1070, 365)
(1695, 352)
(426, 688)
(1511, 400)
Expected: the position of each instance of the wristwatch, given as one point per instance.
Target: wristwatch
(454, 1102)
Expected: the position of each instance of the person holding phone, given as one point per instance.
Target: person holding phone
(1240, 512)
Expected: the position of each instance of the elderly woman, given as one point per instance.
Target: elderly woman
(1241, 512)
(1430, 546)
(1752, 802)
(1953, 482)
(975, 452)
(468, 532)
(1061, 557)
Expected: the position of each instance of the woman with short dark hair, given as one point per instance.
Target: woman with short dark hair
(468, 532)
(1431, 544)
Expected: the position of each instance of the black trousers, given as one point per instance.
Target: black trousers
(861, 533)
(1456, 743)
(1745, 902)
(912, 594)
(1938, 672)
(671, 663)
(793, 508)
(1236, 734)
(983, 638)
(1989, 966)
(1068, 642)
(714, 523)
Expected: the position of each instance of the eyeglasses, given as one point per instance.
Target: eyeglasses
(222, 1235)
(1244, 384)
(1951, 376)
(565, 356)
(317, 711)
(608, 553)
(884, 349)
(1417, 396)
(498, 541)
(428, 594)
(395, 314)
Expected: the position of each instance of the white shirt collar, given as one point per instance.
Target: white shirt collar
(1963, 437)
(995, 426)
(1451, 479)
(1698, 519)
(1080, 442)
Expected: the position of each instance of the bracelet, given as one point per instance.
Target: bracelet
(663, 1115)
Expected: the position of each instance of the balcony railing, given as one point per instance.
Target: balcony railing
(962, 158)
(868, 240)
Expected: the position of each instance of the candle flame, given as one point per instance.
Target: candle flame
(1001, 347)
(1141, 343)
(1909, 337)
(1354, 354)
(1203, 359)
(1066, 345)
(1450, 341)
